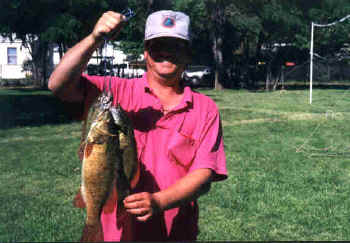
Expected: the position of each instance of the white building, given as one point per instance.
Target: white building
(118, 56)
(12, 56)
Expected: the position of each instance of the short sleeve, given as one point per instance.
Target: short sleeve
(210, 153)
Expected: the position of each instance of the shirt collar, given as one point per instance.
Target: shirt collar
(186, 102)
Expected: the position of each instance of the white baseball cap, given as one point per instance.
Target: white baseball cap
(167, 23)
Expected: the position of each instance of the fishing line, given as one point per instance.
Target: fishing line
(302, 148)
(107, 85)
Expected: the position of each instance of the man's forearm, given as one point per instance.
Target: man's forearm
(144, 204)
(64, 80)
(186, 189)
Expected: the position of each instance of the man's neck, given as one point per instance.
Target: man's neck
(164, 86)
(169, 91)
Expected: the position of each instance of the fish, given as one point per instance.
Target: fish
(110, 168)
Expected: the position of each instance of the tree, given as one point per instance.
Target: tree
(230, 35)
(293, 20)
(209, 25)
(42, 23)
(18, 17)
(132, 35)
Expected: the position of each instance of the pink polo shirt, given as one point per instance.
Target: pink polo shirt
(170, 146)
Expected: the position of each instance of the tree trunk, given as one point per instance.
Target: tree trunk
(42, 57)
(60, 50)
(278, 79)
(275, 83)
(218, 63)
(282, 76)
(49, 64)
(268, 77)
(35, 53)
(218, 17)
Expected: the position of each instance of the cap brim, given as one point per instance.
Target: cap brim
(166, 35)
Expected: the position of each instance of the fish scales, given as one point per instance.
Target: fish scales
(109, 163)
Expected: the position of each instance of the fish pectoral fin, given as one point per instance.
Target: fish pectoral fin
(111, 201)
(81, 151)
(131, 165)
(136, 177)
(123, 190)
(78, 201)
(122, 185)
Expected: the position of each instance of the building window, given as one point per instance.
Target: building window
(12, 55)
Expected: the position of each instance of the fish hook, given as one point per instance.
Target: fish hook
(107, 97)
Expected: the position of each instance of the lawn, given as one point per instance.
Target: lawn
(288, 164)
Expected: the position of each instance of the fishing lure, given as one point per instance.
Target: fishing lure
(128, 13)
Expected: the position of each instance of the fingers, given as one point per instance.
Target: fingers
(108, 25)
(144, 218)
(138, 203)
(141, 214)
(141, 205)
(137, 197)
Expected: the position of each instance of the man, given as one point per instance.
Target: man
(177, 131)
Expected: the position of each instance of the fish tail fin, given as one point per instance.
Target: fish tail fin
(121, 214)
(109, 206)
(92, 233)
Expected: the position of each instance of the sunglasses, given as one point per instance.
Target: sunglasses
(166, 45)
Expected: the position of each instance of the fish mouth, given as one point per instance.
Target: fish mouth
(106, 105)
(118, 118)
(105, 101)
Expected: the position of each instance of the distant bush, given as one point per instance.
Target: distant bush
(16, 82)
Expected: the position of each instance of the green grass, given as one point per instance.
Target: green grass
(288, 165)
(40, 171)
(289, 168)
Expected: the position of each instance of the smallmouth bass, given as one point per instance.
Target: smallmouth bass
(110, 168)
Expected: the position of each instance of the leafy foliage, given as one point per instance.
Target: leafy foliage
(228, 35)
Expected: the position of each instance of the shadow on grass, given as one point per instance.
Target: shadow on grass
(295, 87)
(318, 86)
(32, 107)
(215, 98)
